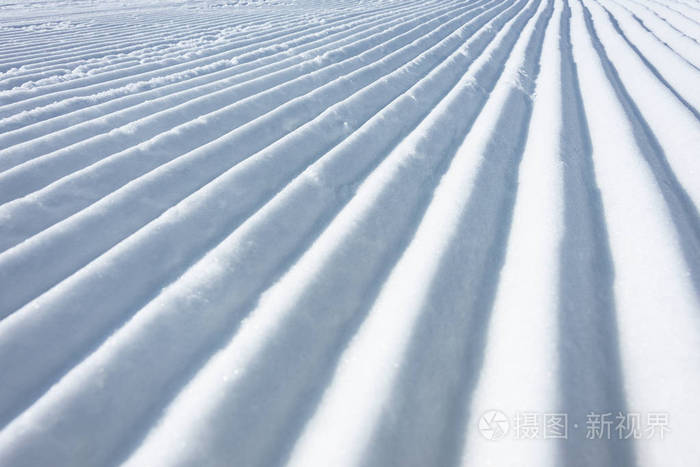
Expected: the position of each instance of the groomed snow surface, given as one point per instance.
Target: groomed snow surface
(330, 233)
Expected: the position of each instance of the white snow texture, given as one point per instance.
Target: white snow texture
(349, 233)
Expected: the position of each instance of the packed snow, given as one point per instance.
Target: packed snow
(342, 233)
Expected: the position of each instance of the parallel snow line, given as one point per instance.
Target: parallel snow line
(668, 146)
(190, 89)
(361, 229)
(678, 10)
(665, 22)
(182, 29)
(311, 331)
(227, 51)
(14, 95)
(192, 84)
(449, 333)
(187, 174)
(521, 344)
(112, 41)
(591, 375)
(29, 99)
(446, 258)
(48, 47)
(680, 51)
(678, 76)
(679, 22)
(15, 38)
(674, 39)
(131, 46)
(141, 90)
(146, 23)
(31, 78)
(109, 181)
(191, 133)
(248, 46)
(655, 299)
(176, 46)
(202, 323)
(195, 212)
(143, 24)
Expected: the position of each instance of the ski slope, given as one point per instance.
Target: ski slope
(330, 233)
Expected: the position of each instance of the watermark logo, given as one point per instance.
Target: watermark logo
(494, 425)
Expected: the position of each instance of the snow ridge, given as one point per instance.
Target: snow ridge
(309, 232)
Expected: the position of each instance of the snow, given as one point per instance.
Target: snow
(334, 232)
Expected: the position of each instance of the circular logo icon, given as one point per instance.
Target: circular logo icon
(493, 425)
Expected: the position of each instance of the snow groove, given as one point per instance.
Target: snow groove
(311, 232)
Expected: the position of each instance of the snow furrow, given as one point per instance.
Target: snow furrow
(232, 73)
(341, 232)
(130, 254)
(182, 174)
(643, 262)
(242, 103)
(27, 99)
(189, 80)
